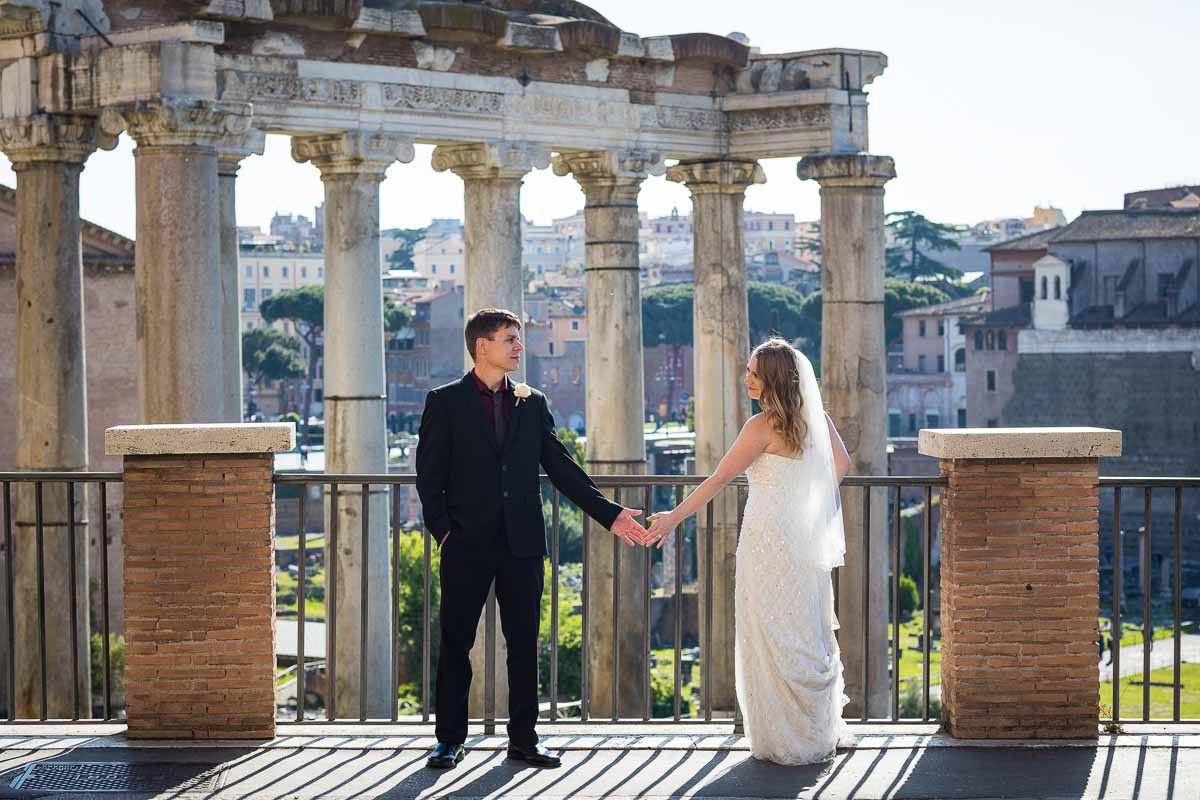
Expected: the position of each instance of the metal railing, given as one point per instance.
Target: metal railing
(641, 491)
(24, 496)
(1147, 487)
(75, 485)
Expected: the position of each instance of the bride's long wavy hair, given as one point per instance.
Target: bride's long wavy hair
(782, 400)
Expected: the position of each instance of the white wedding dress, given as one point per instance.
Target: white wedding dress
(788, 666)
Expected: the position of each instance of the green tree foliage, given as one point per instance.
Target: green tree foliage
(401, 258)
(910, 599)
(774, 308)
(570, 638)
(898, 295)
(116, 664)
(667, 313)
(916, 232)
(304, 307)
(411, 602)
(570, 438)
(270, 355)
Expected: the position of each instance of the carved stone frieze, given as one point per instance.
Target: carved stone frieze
(177, 122)
(53, 137)
(352, 151)
(436, 98)
(490, 161)
(270, 87)
(726, 176)
(780, 118)
(689, 119)
(571, 110)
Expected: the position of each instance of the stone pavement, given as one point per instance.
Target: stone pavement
(910, 761)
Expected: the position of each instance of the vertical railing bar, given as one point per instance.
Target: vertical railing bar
(489, 662)
(426, 621)
(707, 645)
(331, 569)
(555, 521)
(41, 592)
(301, 617)
(1116, 617)
(866, 596)
(393, 700)
(926, 601)
(678, 610)
(616, 621)
(584, 676)
(1178, 588)
(742, 498)
(1147, 642)
(104, 601)
(73, 594)
(9, 600)
(364, 599)
(648, 709)
(896, 603)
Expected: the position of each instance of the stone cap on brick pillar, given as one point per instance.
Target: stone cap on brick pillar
(250, 437)
(1019, 443)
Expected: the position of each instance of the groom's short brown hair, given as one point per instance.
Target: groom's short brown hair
(486, 321)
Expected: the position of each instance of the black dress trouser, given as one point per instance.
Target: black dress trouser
(467, 572)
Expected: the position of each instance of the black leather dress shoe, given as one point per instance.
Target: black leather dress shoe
(445, 756)
(536, 756)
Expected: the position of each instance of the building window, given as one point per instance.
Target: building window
(920, 327)
(266, 271)
(1057, 287)
(978, 340)
(266, 293)
(574, 324)
(1026, 291)
(991, 340)
(576, 375)
(993, 423)
(991, 380)
(1002, 340)
(962, 418)
(552, 348)
(941, 363)
(304, 272)
(960, 360)
(1045, 294)
(941, 327)
(248, 299)
(284, 271)
(433, 269)
(933, 420)
(894, 423)
(320, 272)
(249, 271)
(921, 363)
(912, 423)
(451, 269)
(770, 226)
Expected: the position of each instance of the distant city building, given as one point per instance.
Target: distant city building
(300, 232)
(1174, 197)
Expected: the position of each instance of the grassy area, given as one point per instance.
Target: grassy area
(664, 675)
(315, 543)
(1162, 695)
(1131, 632)
(911, 655)
(285, 586)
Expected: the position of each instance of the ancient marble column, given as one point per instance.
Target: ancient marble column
(494, 277)
(230, 152)
(492, 175)
(722, 346)
(180, 345)
(852, 382)
(614, 408)
(352, 165)
(48, 153)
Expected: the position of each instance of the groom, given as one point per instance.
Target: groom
(482, 439)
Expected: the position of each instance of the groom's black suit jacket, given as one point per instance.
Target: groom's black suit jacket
(470, 484)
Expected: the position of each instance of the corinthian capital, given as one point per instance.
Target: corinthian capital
(53, 137)
(352, 152)
(608, 165)
(718, 176)
(177, 122)
(490, 161)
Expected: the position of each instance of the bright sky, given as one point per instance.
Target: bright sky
(988, 108)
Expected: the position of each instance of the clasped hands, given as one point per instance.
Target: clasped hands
(632, 533)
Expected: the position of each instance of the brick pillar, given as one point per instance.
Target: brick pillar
(199, 578)
(1020, 579)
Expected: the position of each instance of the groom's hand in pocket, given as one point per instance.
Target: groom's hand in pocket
(627, 528)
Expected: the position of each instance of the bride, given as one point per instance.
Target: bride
(788, 666)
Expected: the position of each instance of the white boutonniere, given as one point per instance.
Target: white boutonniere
(521, 391)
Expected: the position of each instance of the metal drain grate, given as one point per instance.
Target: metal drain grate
(107, 777)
